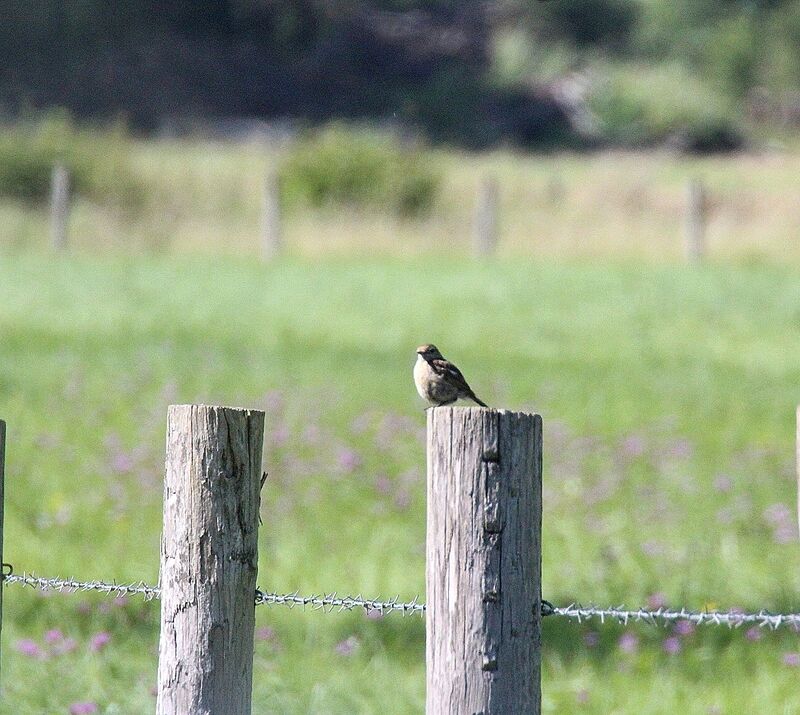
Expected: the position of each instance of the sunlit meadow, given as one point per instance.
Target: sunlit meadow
(667, 392)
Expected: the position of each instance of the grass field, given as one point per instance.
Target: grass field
(205, 198)
(667, 393)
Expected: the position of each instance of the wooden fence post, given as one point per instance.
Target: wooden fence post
(209, 560)
(695, 221)
(797, 461)
(485, 229)
(59, 207)
(483, 568)
(2, 502)
(271, 228)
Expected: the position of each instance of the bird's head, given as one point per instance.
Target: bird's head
(429, 352)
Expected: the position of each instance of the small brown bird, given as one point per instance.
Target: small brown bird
(439, 381)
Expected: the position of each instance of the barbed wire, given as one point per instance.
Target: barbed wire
(71, 585)
(330, 602)
(668, 616)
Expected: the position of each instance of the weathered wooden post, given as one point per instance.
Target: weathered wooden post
(209, 560)
(2, 502)
(695, 221)
(271, 229)
(483, 570)
(797, 461)
(485, 229)
(59, 207)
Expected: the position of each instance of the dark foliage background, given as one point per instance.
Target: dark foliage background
(469, 72)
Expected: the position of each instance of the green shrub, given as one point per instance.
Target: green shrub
(642, 106)
(358, 168)
(99, 162)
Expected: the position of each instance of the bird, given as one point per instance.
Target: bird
(439, 381)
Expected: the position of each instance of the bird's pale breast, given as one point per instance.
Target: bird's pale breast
(430, 386)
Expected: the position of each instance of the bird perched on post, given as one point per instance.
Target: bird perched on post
(439, 381)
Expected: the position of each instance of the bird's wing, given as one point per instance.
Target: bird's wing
(452, 374)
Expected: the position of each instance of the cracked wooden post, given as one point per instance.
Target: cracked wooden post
(209, 560)
(483, 569)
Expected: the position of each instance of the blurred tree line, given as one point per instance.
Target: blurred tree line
(701, 73)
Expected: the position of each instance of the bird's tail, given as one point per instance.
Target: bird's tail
(474, 398)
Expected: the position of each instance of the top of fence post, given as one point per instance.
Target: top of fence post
(483, 561)
(209, 560)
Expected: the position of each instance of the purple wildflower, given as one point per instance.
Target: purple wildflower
(684, 628)
(753, 633)
(29, 647)
(83, 708)
(347, 646)
(777, 514)
(628, 642)
(279, 435)
(656, 600)
(633, 445)
(723, 483)
(383, 485)
(402, 500)
(99, 641)
(591, 639)
(652, 548)
(582, 696)
(784, 534)
(349, 460)
(122, 463)
(680, 448)
(791, 660)
(54, 635)
(672, 645)
(265, 633)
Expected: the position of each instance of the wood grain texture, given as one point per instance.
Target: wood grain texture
(209, 560)
(483, 573)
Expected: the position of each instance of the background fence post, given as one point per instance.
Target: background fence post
(483, 562)
(209, 560)
(59, 207)
(486, 222)
(271, 228)
(695, 221)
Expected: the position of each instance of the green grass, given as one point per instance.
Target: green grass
(204, 198)
(668, 397)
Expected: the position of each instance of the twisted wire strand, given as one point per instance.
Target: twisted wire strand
(668, 616)
(330, 602)
(70, 585)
